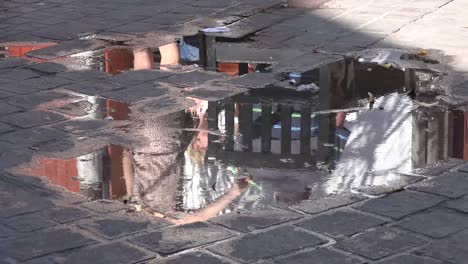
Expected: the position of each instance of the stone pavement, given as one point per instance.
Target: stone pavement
(425, 222)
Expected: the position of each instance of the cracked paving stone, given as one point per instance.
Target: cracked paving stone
(400, 204)
(267, 244)
(318, 256)
(12, 62)
(193, 258)
(453, 185)
(340, 223)
(66, 214)
(460, 204)
(176, 238)
(43, 242)
(28, 222)
(93, 87)
(32, 119)
(249, 221)
(436, 223)
(47, 67)
(32, 136)
(139, 76)
(380, 243)
(452, 248)
(411, 259)
(34, 85)
(327, 203)
(120, 225)
(5, 128)
(18, 74)
(115, 253)
(104, 206)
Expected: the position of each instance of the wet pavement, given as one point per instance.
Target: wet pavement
(110, 153)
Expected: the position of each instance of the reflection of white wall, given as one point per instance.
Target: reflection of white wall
(380, 140)
(89, 168)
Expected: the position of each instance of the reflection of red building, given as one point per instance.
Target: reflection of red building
(20, 49)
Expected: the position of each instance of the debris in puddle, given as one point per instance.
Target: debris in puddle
(216, 30)
(312, 87)
(371, 100)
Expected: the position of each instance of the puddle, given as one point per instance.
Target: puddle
(367, 127)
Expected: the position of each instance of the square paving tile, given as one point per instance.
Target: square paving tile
(18, 74)
(380, 243)
(194, 78)
(41, 99)
(176, 238)
(28, 137)
(43, 242)
(139, 76)
(104, 206)
(318, 256)
(137, 92)
(47, 67)
(93, 87)
(83, 75)
(248, 221)
(12, 62)
(32, 119)
(267, 244)
(34, 85)
(65, 214)
(340, 223)
(436, 223)
(453, 185)
(193, 258)
(460, 204)
(400, 204)
(452, 249)
(327, 203)
(28, 222)
(410, 259)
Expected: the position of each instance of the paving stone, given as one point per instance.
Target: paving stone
(117, 252)
(453, 185)
(137, 92)
(137, 28)
(460, 204)
(104, 206)
(215, 91)
(14, 157)
(18, 74)
(463, 168)
(176, 238)
(400, 204)
(410, 259)
(27, 137)
(340, 223)
(67, 48)
(34, 85)
(32, 119)
(46, 99)
(42, 243)
(5, 232)
(452, 249)
(139, 76)
(5, 128)
(118, 225)
(193, 258)
(248, 221)
(266, 244)
(47, 67)
(82, 75)
(436, 223)
(12, 62)
(255, 80)
(318, 256)
(161, 106)
(28, 222)
(169, 19)
(194, 78)
(81, 127)
(327, 203)
(4, 94)
(66, 214)
(93, 87)
(380, 243)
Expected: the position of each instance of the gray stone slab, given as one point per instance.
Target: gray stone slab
(460, 204)
(241, 52)
(32, 119)
(194, 78)
(318, 256)
(170, 19)
(67, 48)
(34, 85)
(42, 243)
(5, 128)
(400, 204)
(436, 223)
(114, 37)
(18, 74)
(193, 258)
(255, 80)
(176, 238)
(214, 91)
(93, 87)
(47, 67)
(118, 225)
(137, 92)
(340, 223)
(305, 62)
(410, 259)
(28, 222)
(104, 206)
(380, 243)
(6, 109)
(82, 127)
(5, 232)
(82, 75)
(4, 94)
(139, 76)
(14, 157)
(247, 221)
(46, 99)
(327, 203)
(66, 214)
(12, 62)
(27, 137)
(160, 106)
(267, 244)
(137, 28)
(453, 185)
(452, 249)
